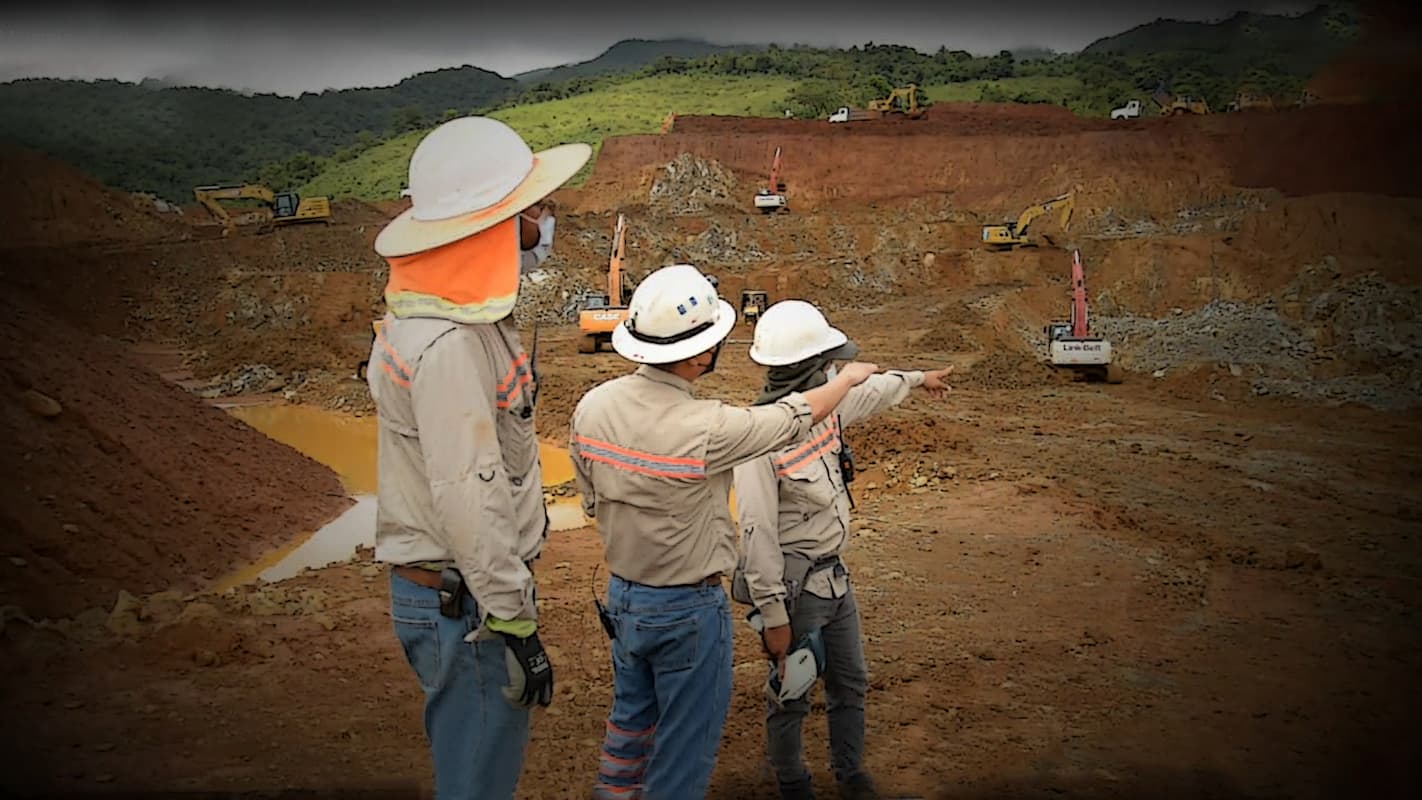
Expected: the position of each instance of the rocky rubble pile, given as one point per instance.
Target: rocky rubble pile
(1359, 341)
(690, 185)
(717, 245)
(1220, 216)
(1222, 331)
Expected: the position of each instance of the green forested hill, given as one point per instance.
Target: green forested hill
(167, 140)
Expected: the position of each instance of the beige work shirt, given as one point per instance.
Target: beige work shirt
(795, 499)
(460, 478)
(654, 466)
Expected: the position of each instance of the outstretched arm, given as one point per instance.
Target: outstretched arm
(884, 391)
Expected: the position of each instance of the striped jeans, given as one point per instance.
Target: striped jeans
(672, 662)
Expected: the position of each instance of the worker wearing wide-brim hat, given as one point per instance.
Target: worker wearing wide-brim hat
(793, 507)
(653, 463)
(460, 512)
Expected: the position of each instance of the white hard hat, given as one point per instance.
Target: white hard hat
(674, 314)
(470, 174)
(793, 330)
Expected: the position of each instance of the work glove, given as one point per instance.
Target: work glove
(530, 671)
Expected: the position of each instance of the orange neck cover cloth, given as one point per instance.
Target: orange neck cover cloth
(473, 280)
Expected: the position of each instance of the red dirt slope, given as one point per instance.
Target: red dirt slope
(134, 484)
(47, 202)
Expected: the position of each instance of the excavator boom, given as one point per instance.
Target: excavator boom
(1038, 210)
(614, 268)
(1079, 327)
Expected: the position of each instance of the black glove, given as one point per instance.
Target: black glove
(530, 671)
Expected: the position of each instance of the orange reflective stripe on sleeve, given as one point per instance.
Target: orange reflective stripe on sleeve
(641, 462)
(391, 361)
(811, 450)
(519, 376)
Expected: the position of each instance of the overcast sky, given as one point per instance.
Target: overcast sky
(290, 46)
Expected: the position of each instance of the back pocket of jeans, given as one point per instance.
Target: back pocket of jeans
(671, 645)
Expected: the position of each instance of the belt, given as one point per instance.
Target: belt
(428, 577)
(423, 577)
(713, 579)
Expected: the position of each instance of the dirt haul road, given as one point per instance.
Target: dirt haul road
(1201, 582)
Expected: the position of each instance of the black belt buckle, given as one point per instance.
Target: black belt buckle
(451, 593)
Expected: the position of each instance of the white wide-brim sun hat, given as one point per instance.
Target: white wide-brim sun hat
(680, 315)
(467, 176)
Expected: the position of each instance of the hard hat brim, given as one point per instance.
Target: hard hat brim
(845, 352)
(640, 352)
(552, 168)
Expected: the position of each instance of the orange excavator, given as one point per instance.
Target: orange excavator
(1071, 344)
(772, 198)
(602, 313)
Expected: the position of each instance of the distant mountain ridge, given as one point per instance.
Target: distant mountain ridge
(1237, 40)
(629, 55)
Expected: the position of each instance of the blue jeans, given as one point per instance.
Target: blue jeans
(477, 737)
(671, 662)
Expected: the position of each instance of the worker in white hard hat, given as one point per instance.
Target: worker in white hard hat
(653, 463)
(460, 512)
(793, 507)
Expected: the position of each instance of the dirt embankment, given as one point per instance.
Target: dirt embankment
(47, 203)
(997, 163)
(116, 480)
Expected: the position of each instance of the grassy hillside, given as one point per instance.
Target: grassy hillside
(638, 106)
(627, 56)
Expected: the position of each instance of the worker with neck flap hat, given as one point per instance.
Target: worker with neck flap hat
(460, 514)
(794, 509)
(653, 463)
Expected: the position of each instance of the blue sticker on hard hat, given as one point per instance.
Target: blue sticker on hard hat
(693, 300)
(681, 309)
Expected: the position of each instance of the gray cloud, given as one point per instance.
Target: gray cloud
(289, 47)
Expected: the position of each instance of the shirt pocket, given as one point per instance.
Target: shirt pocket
(518, 441)
(807, 490)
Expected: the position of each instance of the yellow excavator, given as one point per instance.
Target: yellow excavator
(1248, 100)
(900, 101)
(1173, 106)
(754, 302)
(602, 313)
(277, 208)
(1014, 234)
